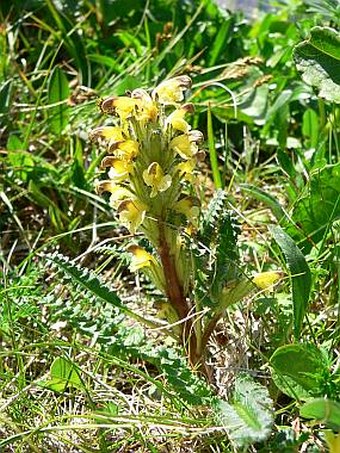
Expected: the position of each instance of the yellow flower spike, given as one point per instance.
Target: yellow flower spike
(176, 118)
(171, 91)
(119, 169)
(141, 258)
(155, 178)
(132, 213)
(189, 206)
(266, 280)
(122, 106)
(183, 146)
(111, 133)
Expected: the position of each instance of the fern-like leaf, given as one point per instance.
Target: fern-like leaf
(94, 285)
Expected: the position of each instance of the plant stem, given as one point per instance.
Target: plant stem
(178, 300)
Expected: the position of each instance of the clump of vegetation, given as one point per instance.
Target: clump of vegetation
(169, 275)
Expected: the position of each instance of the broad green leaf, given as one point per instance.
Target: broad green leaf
(255, 104)
(63, 374)
(58, 93)
(318, 60)
(319, 205)
(248, 419)
(297, 370)
(324, 411)
(299, 274)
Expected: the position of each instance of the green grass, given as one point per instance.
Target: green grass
(78, 370)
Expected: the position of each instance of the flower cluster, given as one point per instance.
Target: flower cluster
(152, 153)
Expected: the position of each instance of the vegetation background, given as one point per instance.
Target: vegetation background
(77, 373)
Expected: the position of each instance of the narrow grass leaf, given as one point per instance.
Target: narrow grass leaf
(212, 151)
(266, 198)
(299, 273)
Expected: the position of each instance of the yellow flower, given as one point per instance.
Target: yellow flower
(176, 118)
(118, 194)
(147, 109)
(183, 146)
(196, 136)
(155, 178)
(119, 169)
(266, 280)
(132, 213)
(122, 106)
(127, 150)
(171, 91)
(186, 167)
(112, 133)
(141, 258)
(333, 441)
(104, 186)
(189, 206)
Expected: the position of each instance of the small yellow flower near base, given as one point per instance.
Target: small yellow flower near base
(155, 178)
(266, 280)
(132, 213)
(189, 206)
(333, 441)
(141, 258)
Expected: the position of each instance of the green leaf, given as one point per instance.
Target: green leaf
(299, 274)
(92, 283)
(310, 127)
(212, 152)
(324, 411)
(318, 60)
(5, 96)
(265, 198)
(298, 370)
(248, 419)
(319, 205)
(63, 374)
(220, 42)
(58, 93)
